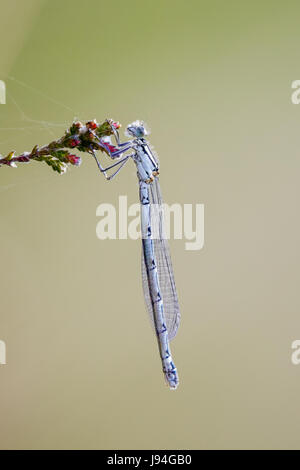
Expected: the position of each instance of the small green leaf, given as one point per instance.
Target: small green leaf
(9, 156)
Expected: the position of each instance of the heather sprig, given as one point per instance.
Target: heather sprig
(87, 137)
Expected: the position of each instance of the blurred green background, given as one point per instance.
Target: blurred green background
(213, 81)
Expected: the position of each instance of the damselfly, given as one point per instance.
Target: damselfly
(157, 272)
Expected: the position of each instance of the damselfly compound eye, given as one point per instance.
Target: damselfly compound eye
(137, 129)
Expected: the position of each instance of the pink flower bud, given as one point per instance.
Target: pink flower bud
(74, 160)
(74, 142)
(78, 124)
(92, 124)
(108, 146)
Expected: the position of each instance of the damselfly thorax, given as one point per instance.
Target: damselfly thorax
(147, 166)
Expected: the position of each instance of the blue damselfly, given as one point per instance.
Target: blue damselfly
(157, 272)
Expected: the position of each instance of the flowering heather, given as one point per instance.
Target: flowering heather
(87, 138)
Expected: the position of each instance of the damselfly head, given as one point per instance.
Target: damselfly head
(137, 129)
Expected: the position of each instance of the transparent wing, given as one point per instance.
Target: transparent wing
(164, 265)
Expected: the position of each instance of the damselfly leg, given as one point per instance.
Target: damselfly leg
(118, 164)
